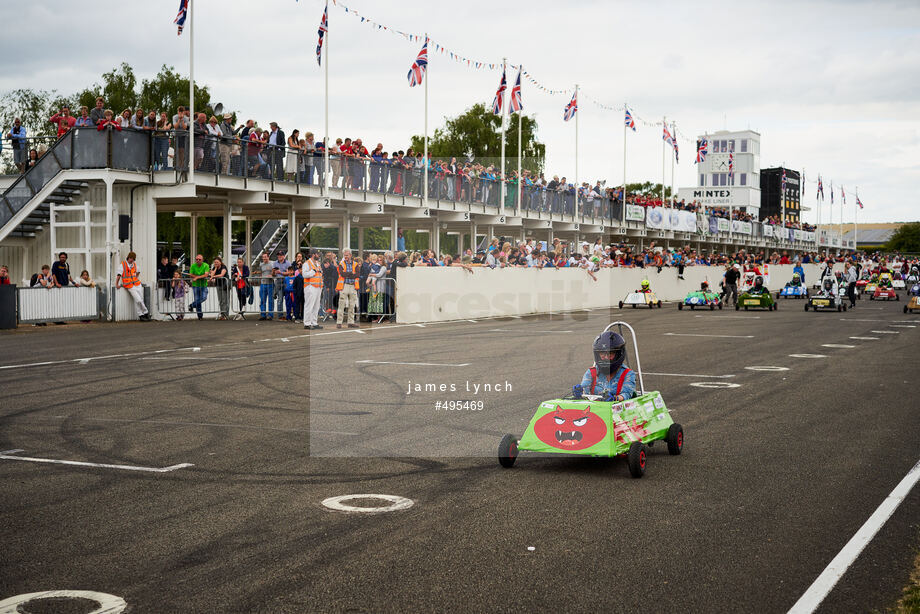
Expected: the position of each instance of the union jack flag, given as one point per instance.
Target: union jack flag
(676, 152)
(323, 28)
(731, 167)
(832, 192)
(859, 202)
(629, 121)
(843, 195)
(417, 72)
(666, 135)
(571, 108)
(782, 189)
(702, 150)
(820, 188)
(499, 97)
(516, 105)
(180, 17)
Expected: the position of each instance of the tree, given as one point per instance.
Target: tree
(476, 135)
(649, 189)
(119, 88)
(905, 239)
(33, 108)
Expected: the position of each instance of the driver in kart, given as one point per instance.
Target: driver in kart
(645, 287)
(796, 280)
(758, 287)
(704, 287)
(609, 377)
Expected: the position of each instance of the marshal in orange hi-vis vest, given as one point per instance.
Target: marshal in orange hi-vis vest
(317, 280)
(129, 274)
(353, 268)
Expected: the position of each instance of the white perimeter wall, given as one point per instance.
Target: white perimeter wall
(428, 294)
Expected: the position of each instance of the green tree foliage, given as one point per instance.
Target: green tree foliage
(33, 108)
(164, 92)
(647, 189)
(476, 134)
(905, 239)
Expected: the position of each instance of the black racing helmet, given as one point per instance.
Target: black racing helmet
(609, 342)
(828, 284)
(758, 281)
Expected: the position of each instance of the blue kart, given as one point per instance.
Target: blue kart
(794, 289)
(791, 291)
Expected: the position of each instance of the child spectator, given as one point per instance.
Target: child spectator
(289, 294)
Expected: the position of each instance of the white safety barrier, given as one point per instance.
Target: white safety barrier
(57, 304)
(429, 294)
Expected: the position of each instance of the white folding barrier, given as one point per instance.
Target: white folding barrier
(57, 304)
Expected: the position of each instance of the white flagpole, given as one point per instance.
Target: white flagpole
(501, 206)
(623, 214)
(190, 154)
(674, 138)
(664, 123)
(520, 186)
(425, 155)
(856, 222)
(576, 151)
(326, 172)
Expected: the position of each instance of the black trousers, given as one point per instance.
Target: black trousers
(851, 293)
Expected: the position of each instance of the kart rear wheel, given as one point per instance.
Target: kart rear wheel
(806, 306)
(507, 451)
(680, 307)
(636, 458)
(621, 304)
(659, 303)
(675, 439)
(775, 306)
(844, 307)
(711, 307)
(651, 305)
(720, 306)
(905, 308)
(737, 307)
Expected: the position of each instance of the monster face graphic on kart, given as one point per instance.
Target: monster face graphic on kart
(570, 429)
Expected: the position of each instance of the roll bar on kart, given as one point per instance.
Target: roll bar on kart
(619, 324)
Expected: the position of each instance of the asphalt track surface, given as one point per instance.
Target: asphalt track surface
(777, 473)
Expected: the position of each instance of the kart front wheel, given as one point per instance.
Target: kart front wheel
(659, 303)
(711, 307)
(636, 458)
(675, 439)
(507, 451)
(720, 306)
(905, 308)
(737, 307)
(806, 306)
(680, 307)
(621, 304)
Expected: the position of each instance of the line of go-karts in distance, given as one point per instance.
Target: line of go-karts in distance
(830, 294)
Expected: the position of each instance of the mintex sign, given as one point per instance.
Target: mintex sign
(721, 197)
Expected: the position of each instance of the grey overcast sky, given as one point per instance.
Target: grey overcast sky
(832, 87)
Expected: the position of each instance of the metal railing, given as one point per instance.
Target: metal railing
(249, 157)
(39, 304)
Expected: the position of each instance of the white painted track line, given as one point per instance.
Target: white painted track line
(701, 335)
(414, 364)
(99, 465)
(821, 587)
(686, 375)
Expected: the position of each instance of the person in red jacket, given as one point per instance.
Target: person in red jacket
(63, 120)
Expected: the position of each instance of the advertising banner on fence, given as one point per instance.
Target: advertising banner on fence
(768, 230)
(635, 213)
(686, 221)
(799, 235)
(675, 219)
(809, 236)
(702, 225)
(714, 225)
(658, 218)
(723, 224)
(740, 227)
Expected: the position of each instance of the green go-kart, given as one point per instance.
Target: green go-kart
(592, 427)
(748, 300)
